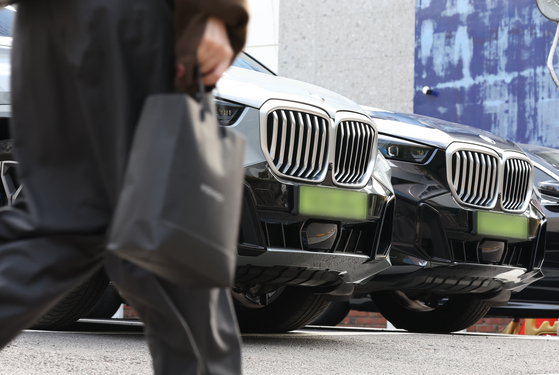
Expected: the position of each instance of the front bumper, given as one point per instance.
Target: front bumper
(436, 247)
(276, 248)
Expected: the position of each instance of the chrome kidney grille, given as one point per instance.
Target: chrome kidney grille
(297, 143)
(477, 175)
(516, 183)
(354, 152)
(474, 177)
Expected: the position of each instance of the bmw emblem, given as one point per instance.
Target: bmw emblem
(316, 96)
(487, 139)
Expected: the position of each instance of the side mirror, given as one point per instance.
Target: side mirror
(549, 188)
(550, 10)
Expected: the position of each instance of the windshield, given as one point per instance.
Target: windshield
(6, 21)
(549, 155)
(246, 61)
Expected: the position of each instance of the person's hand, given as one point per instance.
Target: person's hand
(214, 52)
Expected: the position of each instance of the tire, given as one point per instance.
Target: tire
(76, 304)
(333, 315)
(107, 306)
(287, 308)
(429, 313)
(84, 297)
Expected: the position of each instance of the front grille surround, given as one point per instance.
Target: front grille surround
(478, 176)
(295, 140)
(518, 180)
(354, 150)
(473, 174)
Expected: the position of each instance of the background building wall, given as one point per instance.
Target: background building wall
(486, 61)
(263, 31)
(361, 49)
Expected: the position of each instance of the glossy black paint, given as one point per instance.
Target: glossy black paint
(279, 246)
(435, 247)
(540, 299)
(424, 129)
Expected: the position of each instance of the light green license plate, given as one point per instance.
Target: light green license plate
(502, 225)
(333, 203)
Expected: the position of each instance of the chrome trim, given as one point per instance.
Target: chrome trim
(466, 174)
(297, 128)
(518, 180)
(354, 160)
(478, 176)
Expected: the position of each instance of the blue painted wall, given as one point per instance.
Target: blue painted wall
(486, 61)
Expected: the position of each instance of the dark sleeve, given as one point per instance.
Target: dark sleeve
(190, 21)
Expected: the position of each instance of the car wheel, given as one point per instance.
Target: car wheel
(76, 304)
(333, 315)
(281, 310)
(107, 306)
(429, 313)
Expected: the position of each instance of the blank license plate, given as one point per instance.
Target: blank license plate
(333, 203)
(502, 225)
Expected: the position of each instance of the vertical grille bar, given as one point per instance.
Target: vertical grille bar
(284, 127)
(322, 152)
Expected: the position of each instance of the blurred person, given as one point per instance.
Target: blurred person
(81, 70)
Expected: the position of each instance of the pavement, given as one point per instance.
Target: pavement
(97, 347)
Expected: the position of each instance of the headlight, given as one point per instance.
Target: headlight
(395, 148)
(228, 113)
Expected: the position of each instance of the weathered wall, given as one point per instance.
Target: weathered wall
(363, 49)
(486, 60)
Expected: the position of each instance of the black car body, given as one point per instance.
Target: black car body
(452, 254)
(541, 298)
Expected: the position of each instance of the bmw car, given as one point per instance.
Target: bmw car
(469, 228)
(541, 299)
(317, 207)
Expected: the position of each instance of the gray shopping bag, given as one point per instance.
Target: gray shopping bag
(178, 212)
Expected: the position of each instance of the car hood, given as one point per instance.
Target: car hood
(253, 89)
(433, 131)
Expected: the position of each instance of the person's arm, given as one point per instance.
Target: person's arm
(210, 31)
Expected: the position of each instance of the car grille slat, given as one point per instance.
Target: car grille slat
(360, 151)
(315, 138)
(354, 151)
(481, 195)
(274, 136)
(283, 138)
(308, 141)
(323, 143)
(297, 143)
(516, 181)
(473, 177)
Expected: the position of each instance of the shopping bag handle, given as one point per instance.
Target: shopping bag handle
(202, 94)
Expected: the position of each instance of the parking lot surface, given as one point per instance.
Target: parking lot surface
(89, 348)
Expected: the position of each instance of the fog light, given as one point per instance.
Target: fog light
(491, 251)
(319, 236)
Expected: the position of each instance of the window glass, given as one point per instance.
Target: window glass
(6, 21)
(246, 61)
(540, 176)
(551, 156)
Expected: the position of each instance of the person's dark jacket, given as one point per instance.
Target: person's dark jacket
(190, 21)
